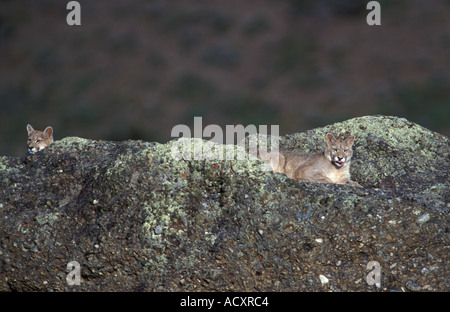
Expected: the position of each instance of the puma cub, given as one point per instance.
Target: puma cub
(38, 140)
(330, 166)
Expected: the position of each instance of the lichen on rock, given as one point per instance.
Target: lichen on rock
(137, 218)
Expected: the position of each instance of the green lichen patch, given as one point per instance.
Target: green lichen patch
(141, 216)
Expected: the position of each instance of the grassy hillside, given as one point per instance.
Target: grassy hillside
(134, 69)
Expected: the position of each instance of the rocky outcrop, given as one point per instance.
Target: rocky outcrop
(136, 219)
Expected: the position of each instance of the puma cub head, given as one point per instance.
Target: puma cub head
(38, 140)
(339, 151)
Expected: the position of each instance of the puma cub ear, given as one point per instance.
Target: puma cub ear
(29, 129)
(330, 137)
(350, 139)
(48, 131)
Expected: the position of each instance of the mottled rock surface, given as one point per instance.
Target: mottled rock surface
(136, 219)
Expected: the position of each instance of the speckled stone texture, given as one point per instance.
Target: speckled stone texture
(136, 219)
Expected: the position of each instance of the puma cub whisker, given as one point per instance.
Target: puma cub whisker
(38, 140)
(330, 166)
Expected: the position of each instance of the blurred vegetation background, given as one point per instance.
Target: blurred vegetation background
(134, 69)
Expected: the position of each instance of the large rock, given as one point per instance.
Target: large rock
(135, 218)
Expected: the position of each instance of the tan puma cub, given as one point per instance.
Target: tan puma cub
(38, 140)
(330, 166)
